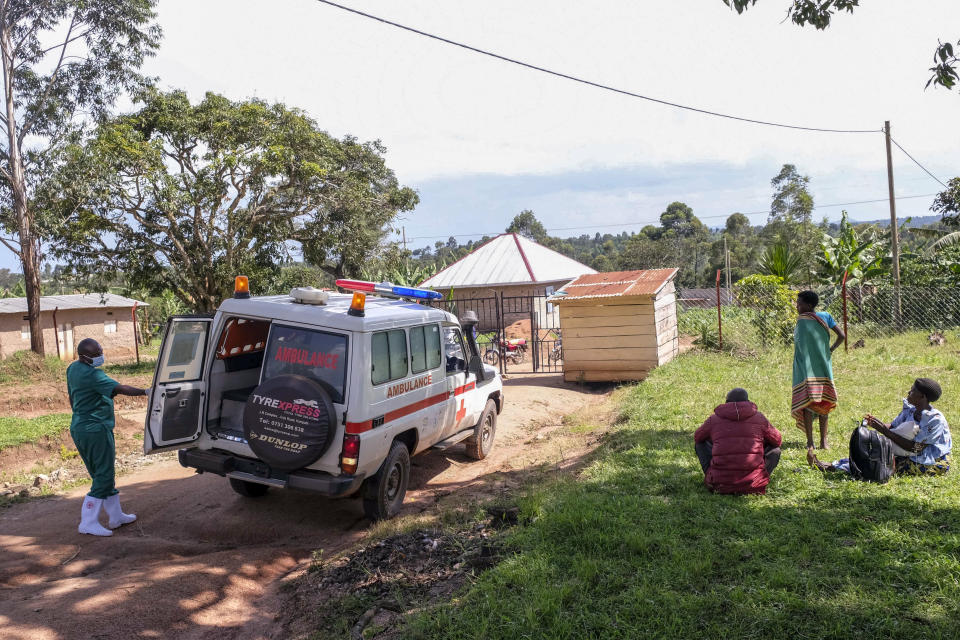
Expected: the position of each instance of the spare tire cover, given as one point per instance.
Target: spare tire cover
(289, 422)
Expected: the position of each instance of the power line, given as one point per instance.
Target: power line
(840, 204)
(633, 224)
(597, 85)
(917, 163)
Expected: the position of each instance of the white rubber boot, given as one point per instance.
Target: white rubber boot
(117, 517)
(89, 518)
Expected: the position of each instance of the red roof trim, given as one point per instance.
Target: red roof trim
(524, 256)
(449, 266)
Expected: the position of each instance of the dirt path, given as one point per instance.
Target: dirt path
(200, 561)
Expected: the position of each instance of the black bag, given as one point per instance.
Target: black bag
(871, 457)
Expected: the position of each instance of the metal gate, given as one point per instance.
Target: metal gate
(489, 326)
(517, 334)
(537, 321)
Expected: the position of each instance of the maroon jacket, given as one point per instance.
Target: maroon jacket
(739, 433)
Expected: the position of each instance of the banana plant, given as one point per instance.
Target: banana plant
(941, 239)
(860, 254)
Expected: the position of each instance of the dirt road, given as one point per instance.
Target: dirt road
(200, 559)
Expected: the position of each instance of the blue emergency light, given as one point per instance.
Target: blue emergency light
(422, 294)
(389, 290)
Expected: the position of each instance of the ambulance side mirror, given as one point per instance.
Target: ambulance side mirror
(476, 367)
(469, 323)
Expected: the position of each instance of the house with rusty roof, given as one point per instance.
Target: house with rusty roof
(618, 325)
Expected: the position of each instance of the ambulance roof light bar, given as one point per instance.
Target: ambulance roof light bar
(389, 290)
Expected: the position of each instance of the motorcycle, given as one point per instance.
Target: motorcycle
(555, 355)
(513, 350)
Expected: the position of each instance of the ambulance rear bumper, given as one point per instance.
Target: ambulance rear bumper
(230, 466)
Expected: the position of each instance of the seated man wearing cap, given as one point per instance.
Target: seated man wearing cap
(931, 446)
(737, 447)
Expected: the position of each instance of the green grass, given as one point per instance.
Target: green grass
(636, 547)
(146, 366)
(14, 431)
(27, 366)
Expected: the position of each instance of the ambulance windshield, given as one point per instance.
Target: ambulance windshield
(317, 355)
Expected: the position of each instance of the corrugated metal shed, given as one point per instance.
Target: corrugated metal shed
(73, 301)
(508, 259)
(616, 284)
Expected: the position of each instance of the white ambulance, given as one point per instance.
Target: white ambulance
(321, 391)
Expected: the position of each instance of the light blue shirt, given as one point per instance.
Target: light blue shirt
(826, 317)
(934, 432)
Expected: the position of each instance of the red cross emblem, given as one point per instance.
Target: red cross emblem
(461, 412)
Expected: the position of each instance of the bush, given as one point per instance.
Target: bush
(773, 306)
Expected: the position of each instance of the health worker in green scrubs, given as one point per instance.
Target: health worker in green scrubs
(91, 398)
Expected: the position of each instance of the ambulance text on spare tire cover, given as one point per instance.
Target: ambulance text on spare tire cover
(289, 421)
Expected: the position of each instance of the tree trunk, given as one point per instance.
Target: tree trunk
(29, 244)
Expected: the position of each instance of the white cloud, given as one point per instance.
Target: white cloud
(444, 112)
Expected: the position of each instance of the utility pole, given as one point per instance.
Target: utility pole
(894, 228)
(726, 262)
(406, 259)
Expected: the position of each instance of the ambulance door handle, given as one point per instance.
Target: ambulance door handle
(172, 391)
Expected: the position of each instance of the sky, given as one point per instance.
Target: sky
(481, 139)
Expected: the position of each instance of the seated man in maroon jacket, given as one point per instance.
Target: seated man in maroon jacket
(737, 446)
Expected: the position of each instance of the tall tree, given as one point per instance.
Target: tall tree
(679, 218)
(184, 197)
(791, 218)
(527, 225)
(641, 252)
(947, 203)
(741, 243)
(64, 61)
(689, 237)
(819, 13)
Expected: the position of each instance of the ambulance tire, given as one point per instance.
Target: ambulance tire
(383, 493)
(481, 442)
(249, 489)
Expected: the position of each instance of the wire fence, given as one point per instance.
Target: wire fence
(757, 316)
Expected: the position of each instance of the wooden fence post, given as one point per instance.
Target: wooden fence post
(56, 335)
(136, 333)
(719, 315)
(843, 289)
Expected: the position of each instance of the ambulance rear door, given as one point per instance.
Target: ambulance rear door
(179, 392)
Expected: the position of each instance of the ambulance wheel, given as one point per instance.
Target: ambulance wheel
(383, 493)
(481, 442)
(249, 489)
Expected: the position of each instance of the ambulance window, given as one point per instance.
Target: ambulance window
(317, 355)
(424, 348)
(183, 352)
(389, 361)
(453, 344)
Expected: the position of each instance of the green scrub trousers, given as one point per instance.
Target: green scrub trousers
(97, 450)
(91, 397)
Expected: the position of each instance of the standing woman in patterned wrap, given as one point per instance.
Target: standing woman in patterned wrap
(813, 388)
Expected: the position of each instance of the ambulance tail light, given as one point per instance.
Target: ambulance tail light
(241, 287)
(350, 453)
(357, 304)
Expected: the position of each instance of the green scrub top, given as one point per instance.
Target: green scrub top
(91, 397)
